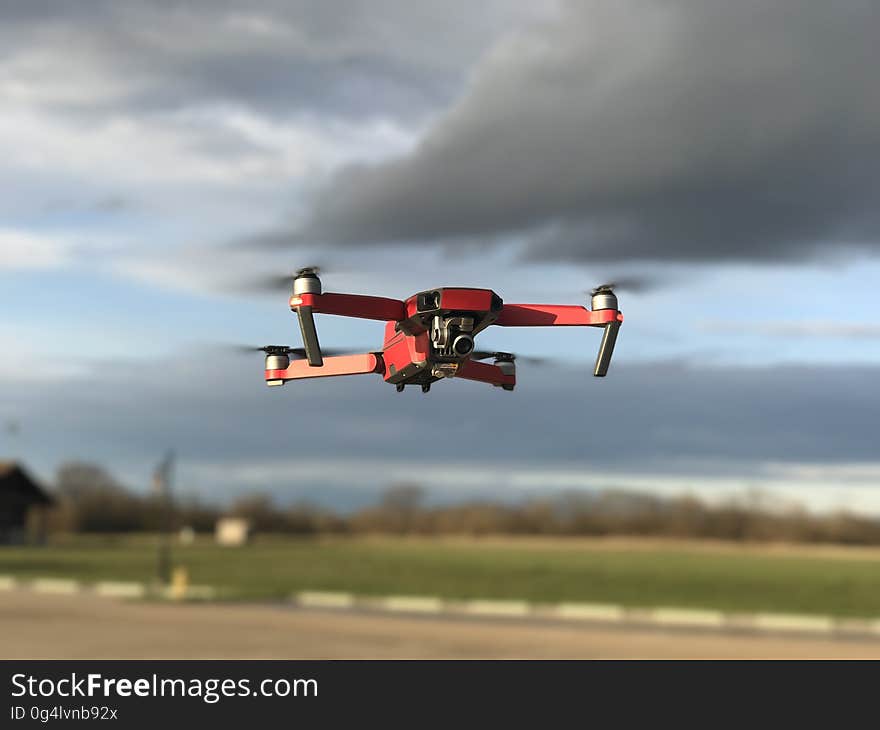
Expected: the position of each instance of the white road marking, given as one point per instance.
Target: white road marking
(496, 608)
(113, 589)
(324, 599)
(588, 612)
(54, 585)
(413, 604)
(687, 617)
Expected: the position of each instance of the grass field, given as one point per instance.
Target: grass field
(697, 575)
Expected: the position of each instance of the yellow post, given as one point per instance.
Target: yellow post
(179, 583)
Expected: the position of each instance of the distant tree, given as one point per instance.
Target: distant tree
(399, 510)
(93, 501)
(402, 498)
(192, 512)
(77, 478)
(260, 510)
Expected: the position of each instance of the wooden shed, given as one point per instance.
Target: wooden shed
(20, 498)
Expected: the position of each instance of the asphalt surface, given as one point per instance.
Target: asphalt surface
(82, 626)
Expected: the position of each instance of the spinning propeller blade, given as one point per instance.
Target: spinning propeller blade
(297, 353)
(633, 283)
(270, 283)
(308, 270)
(507, 357)
(273, 282)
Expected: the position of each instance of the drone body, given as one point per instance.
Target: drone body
(429, 336)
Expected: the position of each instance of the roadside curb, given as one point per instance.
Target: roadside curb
(665, 617)
(108, 589)
(598, 613)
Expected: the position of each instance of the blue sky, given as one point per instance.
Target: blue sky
(538, 152)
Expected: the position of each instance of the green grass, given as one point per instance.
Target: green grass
(681, 576)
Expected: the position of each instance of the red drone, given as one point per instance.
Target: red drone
(430, 335)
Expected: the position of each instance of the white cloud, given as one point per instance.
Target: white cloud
(819, 487)
(26, 250)
(861, 473)
(27, 360)
(804, 328)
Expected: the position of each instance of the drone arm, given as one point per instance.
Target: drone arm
(333, 366)
(606, 349)
(310, 336)
(307, 304)
(351, 305)
(485, 373)
(555, 315)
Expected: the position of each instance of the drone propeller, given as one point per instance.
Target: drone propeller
(270, 283)
(275, 283)
(279, 282)
(634, 283)
(298, 353)
(507, 357)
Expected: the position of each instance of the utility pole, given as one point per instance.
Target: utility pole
(12, 429)
(162, 488)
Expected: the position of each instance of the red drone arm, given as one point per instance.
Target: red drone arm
(555, 315)
(306, 304)
(351, 305)
(342, 365)
(485, 373)
(562, 315)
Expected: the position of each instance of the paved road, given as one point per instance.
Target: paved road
(81, 626)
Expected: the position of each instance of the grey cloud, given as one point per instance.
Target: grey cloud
(344, 58)
(689, 130)
(661, 417)
(112, 204)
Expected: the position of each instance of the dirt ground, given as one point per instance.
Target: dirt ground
(82, 626)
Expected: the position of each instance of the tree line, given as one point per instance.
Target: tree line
(89, 500)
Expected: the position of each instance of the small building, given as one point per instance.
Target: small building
(23, 503)
(232, 531)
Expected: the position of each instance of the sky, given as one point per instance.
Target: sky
(161, 159)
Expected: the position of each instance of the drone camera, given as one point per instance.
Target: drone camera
(463, 345)
(451, 336)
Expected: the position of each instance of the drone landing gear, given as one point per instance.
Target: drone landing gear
(426, 387)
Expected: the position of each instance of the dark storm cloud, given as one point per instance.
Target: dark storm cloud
(662, 416)
(689, 130)
(343, 58)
